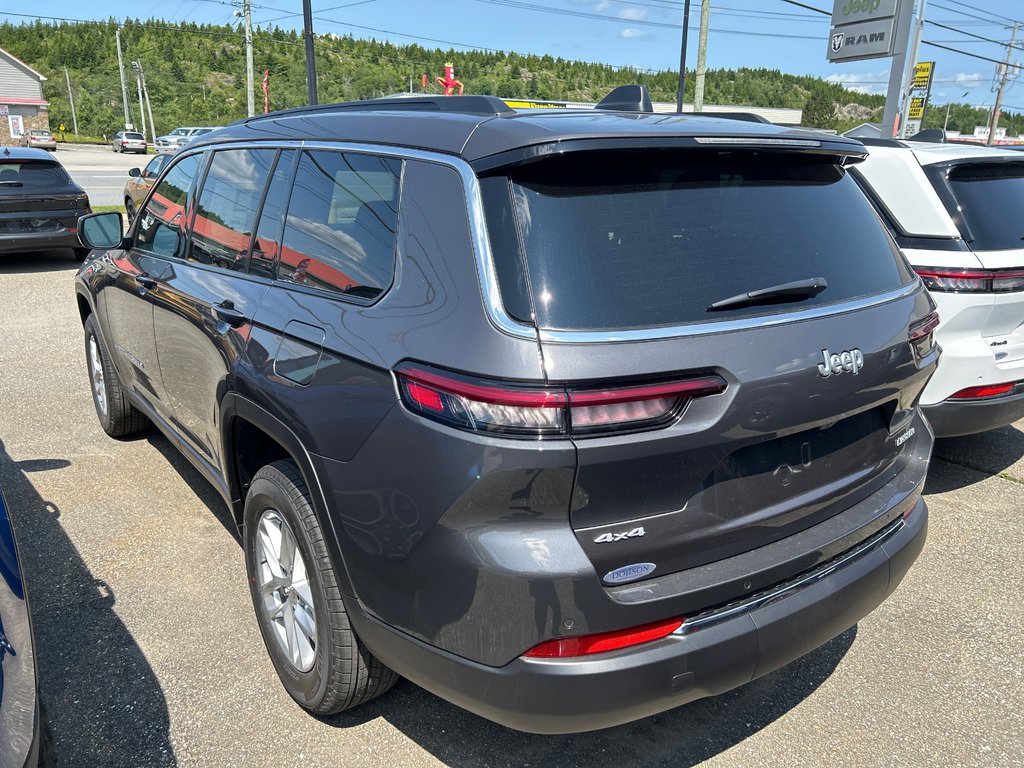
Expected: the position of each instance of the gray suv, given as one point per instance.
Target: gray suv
(567, 416)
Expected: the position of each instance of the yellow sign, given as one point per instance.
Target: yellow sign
(923, 74)
(62, 129)
(524, 104)
(916, 111)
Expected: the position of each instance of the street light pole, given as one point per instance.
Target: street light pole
(250, 84)
(71, 98)
(682, 57)
(142, 104)
(120, 71)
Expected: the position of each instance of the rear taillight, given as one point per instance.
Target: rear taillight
(986, 390)
(539, 411)
(584, 645)
(922, 334)
(946, 280)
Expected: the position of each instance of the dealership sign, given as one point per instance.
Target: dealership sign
(862, 29)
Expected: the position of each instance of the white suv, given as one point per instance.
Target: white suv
(957, 211)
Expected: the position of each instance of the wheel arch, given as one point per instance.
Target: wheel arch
(254, 437)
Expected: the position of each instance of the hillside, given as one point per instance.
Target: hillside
(196, 75)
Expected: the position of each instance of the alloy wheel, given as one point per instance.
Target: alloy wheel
(99, 384)
(285, 589)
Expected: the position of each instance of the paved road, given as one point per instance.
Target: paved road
(100, 171)
(150, 656)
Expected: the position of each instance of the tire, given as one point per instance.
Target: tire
(118, 417)
(129, 208)
(321, 662)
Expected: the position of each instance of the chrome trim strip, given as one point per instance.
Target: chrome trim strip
(718, 615)
(757, 141)
(724, 326)
(487, 275)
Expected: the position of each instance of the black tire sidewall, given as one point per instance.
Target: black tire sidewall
(307, 688)
(90, 333)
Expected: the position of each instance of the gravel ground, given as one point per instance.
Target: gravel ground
(149, 654)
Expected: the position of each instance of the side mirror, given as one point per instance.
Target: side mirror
(134, 173)
(101, 230)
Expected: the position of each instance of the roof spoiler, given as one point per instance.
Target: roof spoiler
(933, 135)
(627, 98)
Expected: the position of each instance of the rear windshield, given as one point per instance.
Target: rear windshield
(991, 201)
(134, 136)
(652, 239)
(32, 174)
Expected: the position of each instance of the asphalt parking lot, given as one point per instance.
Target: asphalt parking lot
(99, 170)
(149, 653)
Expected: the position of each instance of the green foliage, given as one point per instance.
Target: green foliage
(820, 110)
(196, 73)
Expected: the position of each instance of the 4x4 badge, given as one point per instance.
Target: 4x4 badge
(604, 538)
(848, 360)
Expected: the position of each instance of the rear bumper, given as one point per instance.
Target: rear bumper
(953, 418)
(728, 650)
(38, 241)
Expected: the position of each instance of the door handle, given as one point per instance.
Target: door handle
(146, 281)
(226, 312)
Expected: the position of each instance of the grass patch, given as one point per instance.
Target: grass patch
(107, 208)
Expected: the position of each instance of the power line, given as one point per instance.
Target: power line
(972, 16)
(962, 53)
(971, 34)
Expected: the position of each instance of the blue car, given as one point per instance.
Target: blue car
(21, 741)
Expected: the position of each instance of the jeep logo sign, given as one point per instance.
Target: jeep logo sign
(863, 29)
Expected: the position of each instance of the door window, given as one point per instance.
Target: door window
(162, 221)
(340, 229)
(268, 232)
(228, 202)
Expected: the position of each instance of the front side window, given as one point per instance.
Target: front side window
(340, 228)
(623, 240)
(228, 202)
(162, 221)
(155, 166)
(267, 246)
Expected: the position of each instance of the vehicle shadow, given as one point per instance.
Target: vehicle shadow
(55, 260)
(681, 737)
(199, 485)
(963, 461)
(104, 703)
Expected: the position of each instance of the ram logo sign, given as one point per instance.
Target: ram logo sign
(863, 29)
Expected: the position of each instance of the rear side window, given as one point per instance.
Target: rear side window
(340, 228)
(641, 240)
(32, 174)
(227, 206)
(990, 199)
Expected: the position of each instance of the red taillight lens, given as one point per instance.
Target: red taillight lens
(988, 390)
(946, 280)
(523, 409)
(603, 642)
(922, 334)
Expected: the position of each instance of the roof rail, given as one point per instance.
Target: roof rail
(627, 98)
(469, 105)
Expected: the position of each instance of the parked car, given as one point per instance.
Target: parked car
(39, 203)
(130, 141)
(956, 211)
(24, 738)
(177, 138)
(569, 417)
(39, 140)
(140, 182)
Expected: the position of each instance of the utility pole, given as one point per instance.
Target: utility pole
(120, 71)
(908, 78)
(1003, 76)
(682, 57)
(71, 98)
(702, 56)
(144, 94)
(250, 84)
(142, 104)
(307, 32)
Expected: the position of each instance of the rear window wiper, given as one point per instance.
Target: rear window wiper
(800, 289)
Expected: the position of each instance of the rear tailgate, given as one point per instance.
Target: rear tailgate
(37, 196)
(623, 257)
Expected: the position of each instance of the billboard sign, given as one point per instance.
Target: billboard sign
(923, 75)
(862, 29)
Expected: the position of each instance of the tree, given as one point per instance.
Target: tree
(820, 110)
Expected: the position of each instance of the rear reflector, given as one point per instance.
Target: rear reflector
(988, 390)
(565, 647)
(534, 410)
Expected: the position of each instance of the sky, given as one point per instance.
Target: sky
(640, 33)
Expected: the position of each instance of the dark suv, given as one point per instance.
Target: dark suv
(568, 416)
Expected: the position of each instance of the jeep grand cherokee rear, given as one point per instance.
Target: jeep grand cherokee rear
(568, 417)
